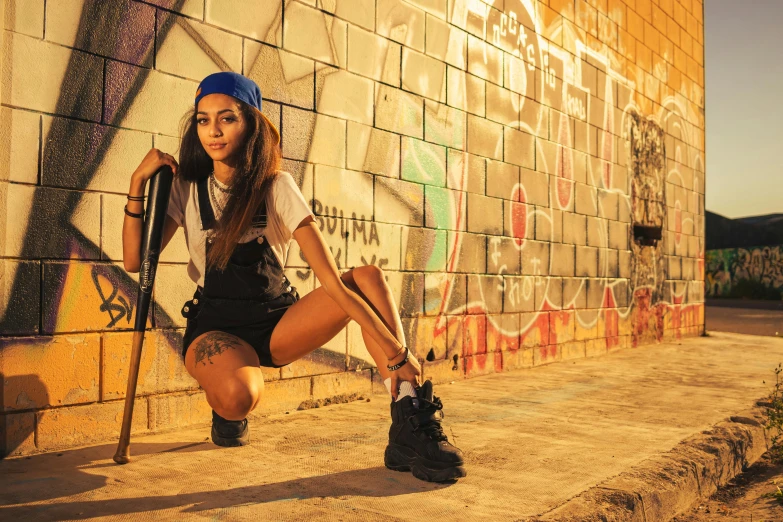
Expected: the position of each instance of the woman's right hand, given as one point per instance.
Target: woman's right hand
(152, 162)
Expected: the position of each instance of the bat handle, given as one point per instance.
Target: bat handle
(122, 456)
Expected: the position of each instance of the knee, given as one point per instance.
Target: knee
(235, 399)
(369, 275)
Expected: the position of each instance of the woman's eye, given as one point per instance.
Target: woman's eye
(229, 119)
(201, 121)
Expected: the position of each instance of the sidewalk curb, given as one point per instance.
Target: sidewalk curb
(666, 485)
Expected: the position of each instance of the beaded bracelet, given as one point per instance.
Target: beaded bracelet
(399, 364)
(132, 214)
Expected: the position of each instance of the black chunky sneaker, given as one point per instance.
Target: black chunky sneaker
(229, 433)
(417, 442)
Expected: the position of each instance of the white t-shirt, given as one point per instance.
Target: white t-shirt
(285, 209)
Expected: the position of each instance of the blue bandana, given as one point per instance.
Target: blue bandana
(232, 84)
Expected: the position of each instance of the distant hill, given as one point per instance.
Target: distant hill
(723, 232)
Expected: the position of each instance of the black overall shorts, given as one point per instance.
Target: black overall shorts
(246, 299)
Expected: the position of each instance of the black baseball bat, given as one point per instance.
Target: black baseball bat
(152, 236)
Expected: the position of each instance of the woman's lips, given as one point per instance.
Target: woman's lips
(216, 146)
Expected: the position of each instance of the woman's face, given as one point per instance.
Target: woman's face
(221, 127)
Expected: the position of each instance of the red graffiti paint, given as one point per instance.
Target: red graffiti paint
(519, 215)
(611, 319)
(564, 166)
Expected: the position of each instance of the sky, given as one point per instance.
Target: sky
(743, 46)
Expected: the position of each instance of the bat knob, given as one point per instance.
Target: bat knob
(121, 459)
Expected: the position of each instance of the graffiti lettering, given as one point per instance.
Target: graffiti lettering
(123, 309)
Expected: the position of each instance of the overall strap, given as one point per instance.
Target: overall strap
(204, 205)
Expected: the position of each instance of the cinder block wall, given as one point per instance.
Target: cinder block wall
(745, 272)
(528, 173)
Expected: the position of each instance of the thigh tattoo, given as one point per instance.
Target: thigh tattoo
(214, 344)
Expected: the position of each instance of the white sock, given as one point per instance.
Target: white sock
(406, 390)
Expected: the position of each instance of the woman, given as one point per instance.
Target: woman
(240, 213)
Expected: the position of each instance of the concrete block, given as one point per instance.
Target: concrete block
(284, 395)
(20, 284)
(517, 76)
(485, 60)
(25, 16)
(331, 385)
(562, 326)
(535, 187)
(444, 293)
(586, 261)
(373, 56)
(549, 292)
(282, 76)
(534, 329)
(519, 294)
(503, 335)
(181, 409)
(574, 229)
(563, 259)
(485, 294)
(328, 143)
(467, 252)
(446, 43)
(502, 105)
(549, 225)
(485, 138)
(503, 256)
(172, 289)
(562, 196)
(466, 172)
(41, 69)
(546, 156)
(519, 148)
(423, 162)
(358, 357)
(608, 262)
(597, 232)
(582, 141)
(423, 75)
(348, 190)
(329, 359)
(608, 204)
(96, 27)
(586, 200)
(17, 436)
(444, 125)
(40, 372)
(398, 201)
(574, 293)
(81, 425)
(624, 263)
(298, 130)
(194, 50)
(421, 339)
(518, 221)
(485, 214)
(408, 291)
(465, 91)
(425, 249)
(371, 243)
(162, 369)
(596, 291)
(398, 111)
(444, 208)
(618, 235)
(156, 108)
(399, 21)
(63, 162)
(535, 258)
(258, 19)
(191, 8)
(331, 89)
(502, 180)
(360, 12)
(533, 118)
(21, 146)
(373, 150)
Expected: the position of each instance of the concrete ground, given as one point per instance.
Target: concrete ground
(638, 434)
(752, 317)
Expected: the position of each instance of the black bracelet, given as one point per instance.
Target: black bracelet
(133, 214)
(136, 198)
(399, 364)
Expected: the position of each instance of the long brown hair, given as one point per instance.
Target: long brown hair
(257, 167)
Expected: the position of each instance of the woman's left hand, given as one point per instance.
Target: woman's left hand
(410, 371)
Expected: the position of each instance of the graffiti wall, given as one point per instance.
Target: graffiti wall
(745, 272)
(529, 174)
